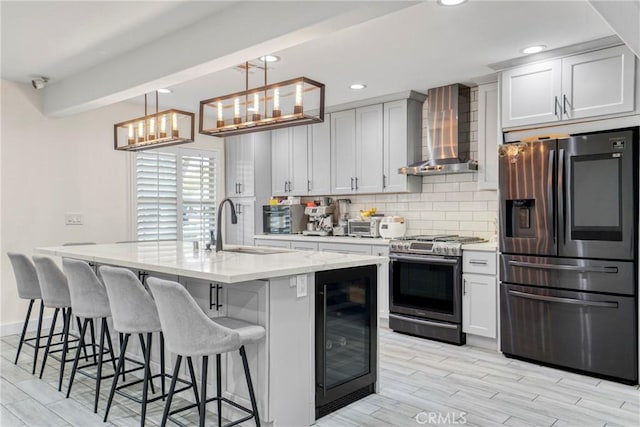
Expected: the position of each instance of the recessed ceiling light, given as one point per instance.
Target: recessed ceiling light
(533, 49)
(163, 90)
(357, 86)
(269, 58)
(450, 2)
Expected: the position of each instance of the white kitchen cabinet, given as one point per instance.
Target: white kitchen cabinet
(289, 161)
(383, 281)
(241, 233)
(319, 158)
(345, 248)
(369, 148)
(489, 136)
(479, 293)
(598, 83)
(272, 243)
(402, 144)
(580, 86)
(208, 294)
(304, 246)
(343, 151)
(532, 94)
(240, 165)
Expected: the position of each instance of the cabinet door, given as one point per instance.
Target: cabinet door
(598, 83)
(345, 248)
(298, 184)
(272, 243)
(231, 148)
(247, 218)
(383, 281)
(343, 152)
(304, 246)
(233, 232)
(532, 94)
(280, 161)
(369, 142)
(209, 295)
(479, 307)
(246, 166)
(319, 158)
(395, 146)
(489, 136)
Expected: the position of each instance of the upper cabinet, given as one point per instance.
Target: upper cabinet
(240, 165)
(580, 86)
(319, 158)
(489, 136)
(402, 144)
(343, 151)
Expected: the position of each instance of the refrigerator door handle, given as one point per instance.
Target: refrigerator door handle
(603, 304)
(563, 267)
(561, 199)
(550, 191)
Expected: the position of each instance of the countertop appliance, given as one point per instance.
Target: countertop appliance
(346, 336)
(425, 286)
(392, 227)
(448, 123)
(568, 215)
(364, 227)
(283, 219)
(320, 220)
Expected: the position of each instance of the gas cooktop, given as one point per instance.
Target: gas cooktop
(435, 244)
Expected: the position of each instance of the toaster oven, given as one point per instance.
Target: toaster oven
(364, 227)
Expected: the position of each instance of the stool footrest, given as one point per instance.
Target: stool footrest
(161, 396)
(215, 399)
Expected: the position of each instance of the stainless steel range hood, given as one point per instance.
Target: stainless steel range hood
(447, 132)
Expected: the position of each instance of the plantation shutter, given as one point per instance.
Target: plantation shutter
(156, 196)
(198, 196)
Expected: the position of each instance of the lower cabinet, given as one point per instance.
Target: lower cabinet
(345, 248)
(304, 246)
(479, 294)
(272, 243)
(383, 281)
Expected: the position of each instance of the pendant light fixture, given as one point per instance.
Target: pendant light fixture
(294, 102)
(159, 129)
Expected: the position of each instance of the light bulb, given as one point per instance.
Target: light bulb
(163, 124)
(130, 131)
(175, 122)
(256, 103)
(152, 126)
(219, 110)
(236, 108)
(141, 129)
(276, 99)
(298, 94)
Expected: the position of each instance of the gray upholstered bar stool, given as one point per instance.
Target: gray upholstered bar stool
(55, 294)
(134, 312)
(89, 301)
(189, 332)
(28, 288)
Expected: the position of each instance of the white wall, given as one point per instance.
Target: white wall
(52, 166)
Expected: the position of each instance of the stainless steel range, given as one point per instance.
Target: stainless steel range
(425, 286)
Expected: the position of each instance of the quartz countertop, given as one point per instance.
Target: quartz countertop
(371, 241)
(180, 259)
(484, 247)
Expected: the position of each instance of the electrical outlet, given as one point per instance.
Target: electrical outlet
(73, 218)
(301, 285)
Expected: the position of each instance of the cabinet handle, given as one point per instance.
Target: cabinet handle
(478, 262)
(238, 208)
(211, 304)
(555, 105)
(384, 181)
(239, 188)
(142, 276)
(351, 183)
(218, 305)
(308, 185)
(564, 104)
(289, 186)
(356, 183)
(464, 287)
(285, 186)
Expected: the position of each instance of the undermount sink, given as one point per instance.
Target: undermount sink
(256, 251)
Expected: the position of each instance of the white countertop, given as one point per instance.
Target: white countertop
(375, 241)
(484, 247)
(180, 259)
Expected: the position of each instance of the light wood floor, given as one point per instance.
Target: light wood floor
(422, 383)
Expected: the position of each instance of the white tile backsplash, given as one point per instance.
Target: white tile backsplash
(447, 203)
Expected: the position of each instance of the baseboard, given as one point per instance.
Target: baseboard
(15, 328)
(482, 342)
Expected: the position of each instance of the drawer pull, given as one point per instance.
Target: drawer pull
(573, 301)
(478, 261)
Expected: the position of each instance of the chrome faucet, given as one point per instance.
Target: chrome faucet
(234, 220)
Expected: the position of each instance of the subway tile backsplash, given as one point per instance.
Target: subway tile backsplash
(447, 203)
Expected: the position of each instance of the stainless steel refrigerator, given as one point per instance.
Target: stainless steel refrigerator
(568, 233)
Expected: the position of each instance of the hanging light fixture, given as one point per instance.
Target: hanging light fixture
(159, 129)
(294, 102)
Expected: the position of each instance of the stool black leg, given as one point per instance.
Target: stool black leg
(65, 347)
(24, 330)
(48, 346)
(110, 344)
(203, 390)
(77, 358)
(147, 368)
(123, 368)
(93, 340)
(172, 388)
(147, 379)
(37, 346)
(252, 394)
(64, 319)
(219, 388)
(114, 384)
(192, 374)
(84, 349)
(162, 367)
(103, 328)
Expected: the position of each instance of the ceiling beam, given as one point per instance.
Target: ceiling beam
(242, 32)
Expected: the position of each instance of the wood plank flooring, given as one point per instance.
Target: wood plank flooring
(422, 383)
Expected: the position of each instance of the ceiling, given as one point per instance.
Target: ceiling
(416, 47)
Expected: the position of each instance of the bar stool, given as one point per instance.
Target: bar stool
(134, 312)
(89, 301)
(189, 332)
(55, 294)
(28, 288)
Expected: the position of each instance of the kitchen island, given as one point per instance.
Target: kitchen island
(274, 288)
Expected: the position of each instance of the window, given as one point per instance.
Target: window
(175, 195)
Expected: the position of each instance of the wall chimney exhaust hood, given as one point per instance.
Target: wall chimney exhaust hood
(447, 132)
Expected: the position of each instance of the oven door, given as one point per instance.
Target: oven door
(426, 286)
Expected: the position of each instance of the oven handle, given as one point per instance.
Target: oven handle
(562, 267)
(424, 322)
(603, 304)
(423, 258)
